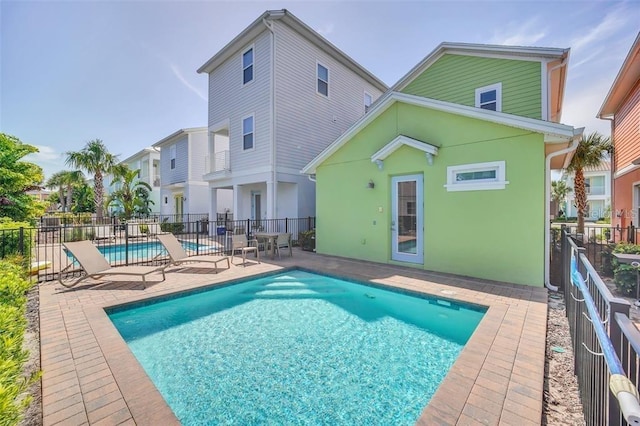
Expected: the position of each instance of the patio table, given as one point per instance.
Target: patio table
(270, 237)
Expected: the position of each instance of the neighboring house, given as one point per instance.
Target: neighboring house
(449, 171)
(598, 186)
(279, 93)
(147, 161)
(182, 164)
(622, 107)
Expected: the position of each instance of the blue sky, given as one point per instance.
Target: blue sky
(125, 71)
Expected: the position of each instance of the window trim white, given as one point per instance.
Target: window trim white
(318, 63)
(253, 65)
(498, 88)
(367, 107)
(253, 132)
(172, 156)
(499, 183)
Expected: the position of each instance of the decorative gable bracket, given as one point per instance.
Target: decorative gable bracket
(429, 150)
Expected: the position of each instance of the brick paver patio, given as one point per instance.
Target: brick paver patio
(90, 376)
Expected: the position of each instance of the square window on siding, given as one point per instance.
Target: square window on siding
(476, 177)
(247, 132)
(172, 156)
(247, 66)
(368, 100)
(489, 97)
(323, 80)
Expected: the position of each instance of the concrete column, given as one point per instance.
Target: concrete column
(236, 203)
(213, 210)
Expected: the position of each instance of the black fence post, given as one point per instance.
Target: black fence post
(198, 237)
(21, 241)
(286, 224)
(126, 243)
(248, 230)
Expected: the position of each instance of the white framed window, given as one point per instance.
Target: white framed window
(477, 177)
(322, 77)
(247, 132)
(489, 97)
(172, 156)
(247, 66)
(368, 100)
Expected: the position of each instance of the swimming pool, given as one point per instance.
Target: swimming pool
(140, 250)
(297, 348)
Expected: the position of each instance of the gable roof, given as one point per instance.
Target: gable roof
(400, 141)
(141, 153)
(625, 81)
(553, 132)
(286, 17)
(484, 50)
(175, 135)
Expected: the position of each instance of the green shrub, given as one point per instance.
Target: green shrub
(13, 323)
(173, 227)
(10, 239)
(625, 275)
(307, 240)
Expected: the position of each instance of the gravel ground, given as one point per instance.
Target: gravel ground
(562, 404)
(33, 415)
(561, 398)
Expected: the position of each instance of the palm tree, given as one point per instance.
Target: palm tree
(57, 181)
(591, 151)
(72, 180)
(559, 191)
(132, 196)
(96, 159)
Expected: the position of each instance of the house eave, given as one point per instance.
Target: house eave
(625, 81)
(175, 135)
(257, 27)
(542, 54)
(553, 132)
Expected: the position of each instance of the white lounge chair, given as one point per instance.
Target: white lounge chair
(96, 266)
(179, 256)
(103, 232)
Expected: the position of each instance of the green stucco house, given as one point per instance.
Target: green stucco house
(449, 170)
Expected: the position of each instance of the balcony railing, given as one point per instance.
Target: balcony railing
(219, 162)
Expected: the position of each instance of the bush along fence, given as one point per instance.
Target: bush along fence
(600, 244)
(605, 341)
(134, 242)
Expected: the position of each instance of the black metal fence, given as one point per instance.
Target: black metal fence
(598, 242)
(600, 405)
(133, 242)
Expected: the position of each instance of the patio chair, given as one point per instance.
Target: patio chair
(96, 266)
(240, 242)
(283, 241)
(179, 256)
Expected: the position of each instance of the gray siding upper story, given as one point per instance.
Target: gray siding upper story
(198, 151)
(230, 100)
(307, 122)
(179, 174)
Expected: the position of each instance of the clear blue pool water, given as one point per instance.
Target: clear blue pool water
(139, 250)
(297, 348)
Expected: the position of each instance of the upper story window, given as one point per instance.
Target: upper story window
(247, 66)
(172, 156)
(476, 177)
(489, 97)
(323, 80)
(247, 132)
(368, 100)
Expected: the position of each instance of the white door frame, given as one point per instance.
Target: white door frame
(396, 251)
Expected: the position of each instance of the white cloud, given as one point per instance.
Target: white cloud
(46, 153)
(326, 29)
(582, 106)
(184, 81)
(611, 23)
(520, 33)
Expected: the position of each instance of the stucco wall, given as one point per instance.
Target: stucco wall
(495, 234)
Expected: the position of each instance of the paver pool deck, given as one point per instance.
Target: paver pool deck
(91, 377)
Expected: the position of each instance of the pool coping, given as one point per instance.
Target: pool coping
(91, 377)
